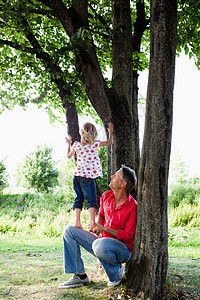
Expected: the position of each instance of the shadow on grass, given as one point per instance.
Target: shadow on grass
(92, 290)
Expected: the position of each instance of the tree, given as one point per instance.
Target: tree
(150, 262)
(38, 171)
(188, 32)
(179, 170)
(71, 44)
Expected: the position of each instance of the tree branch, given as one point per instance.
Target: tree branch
(81, 9)
(140, 25)
(63, 14)
(50, 65)
(87, 64)
(100, 18)
(17, 46)
(44, 12)
(57, 77)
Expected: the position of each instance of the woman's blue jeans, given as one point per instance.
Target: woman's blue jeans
(109, 251)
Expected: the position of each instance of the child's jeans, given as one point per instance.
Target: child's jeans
(84, 188)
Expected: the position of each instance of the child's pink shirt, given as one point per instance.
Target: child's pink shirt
(88, 162)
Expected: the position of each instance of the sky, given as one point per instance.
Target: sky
(186, 120)
(22, 131)
(186, 113)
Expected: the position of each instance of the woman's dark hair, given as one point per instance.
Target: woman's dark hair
(129, 177)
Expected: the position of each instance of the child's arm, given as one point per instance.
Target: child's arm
(110, 140)
(70, 152)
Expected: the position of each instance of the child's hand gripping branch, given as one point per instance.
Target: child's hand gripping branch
(69, 152)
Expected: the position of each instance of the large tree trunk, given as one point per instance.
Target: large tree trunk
(123, 103)
(147, 270)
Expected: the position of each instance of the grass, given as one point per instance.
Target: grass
(31, 252)
(31, 268)
(185, 273)
(184, 258)
(184, 242)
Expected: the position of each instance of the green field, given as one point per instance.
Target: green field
(31, 252)
(31, 268)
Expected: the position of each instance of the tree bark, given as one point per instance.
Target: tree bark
(147, 269)
(124, 93)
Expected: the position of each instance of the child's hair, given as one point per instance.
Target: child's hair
(88, 133)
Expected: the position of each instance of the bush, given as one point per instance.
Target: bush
(65, 178)
(3, 177)
(41, 214)
(185, 215)
(40, 222)
(185, 193)
(102, 182)
(38, 171)
(16, 204)
(184, 203)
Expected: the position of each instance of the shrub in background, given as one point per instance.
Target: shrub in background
(185, 215)
(38, 171)
(184, 203)
(185, 192)
(102, 181)
(3, 176)
(179, 170)
(16, 205)
(38, 216)
(65, 178)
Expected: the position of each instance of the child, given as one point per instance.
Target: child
(88, 168)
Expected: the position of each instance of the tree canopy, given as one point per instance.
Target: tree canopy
(188, 29)
(35, 46)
